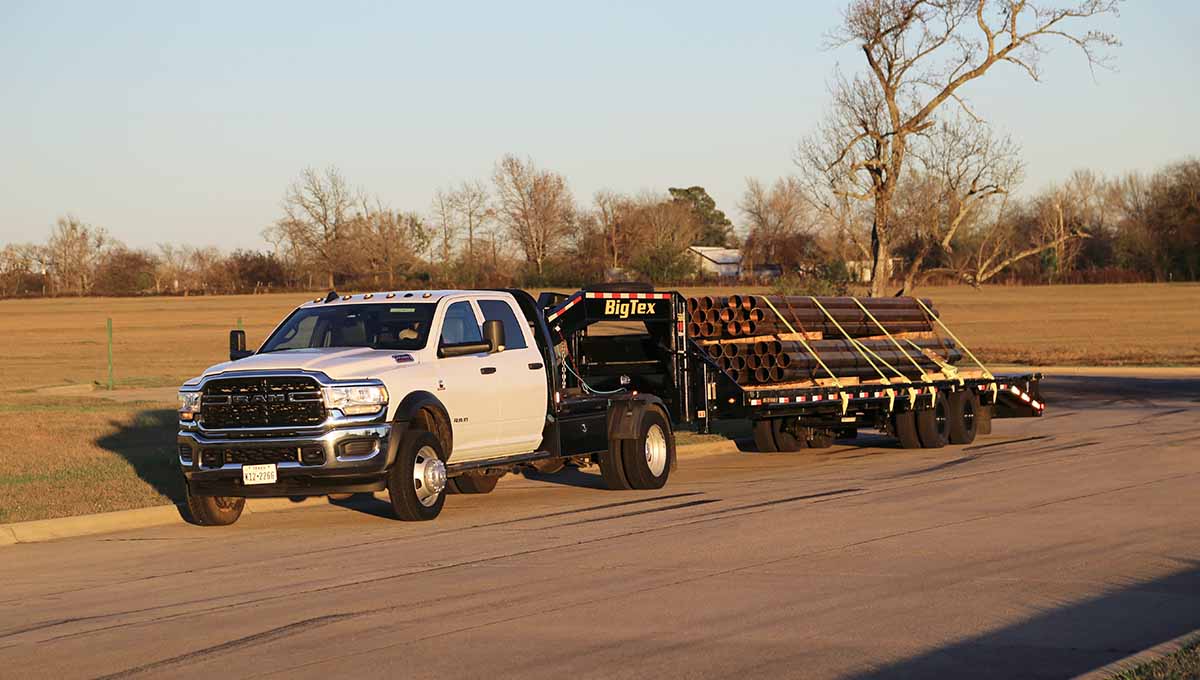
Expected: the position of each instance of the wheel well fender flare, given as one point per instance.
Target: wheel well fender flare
(409, 411)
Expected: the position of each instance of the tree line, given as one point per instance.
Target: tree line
(955, 218)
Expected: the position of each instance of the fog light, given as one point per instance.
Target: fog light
(358, 448)
(312, 455)
(212, 458)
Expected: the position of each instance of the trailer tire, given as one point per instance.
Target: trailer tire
(469, 483)
(932, 424)
(904, 426)
(417, 481)
(983, 419)
(963, 411)
(764, 436)
(785, 440)
(647, 459)
(214, 511)
(612, 468)
(821, 439)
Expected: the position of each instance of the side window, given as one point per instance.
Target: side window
(499, 310)
(460, 325)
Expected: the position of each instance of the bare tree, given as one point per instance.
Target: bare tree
(920, 54)
(535, 206)
(318, 219)
(74, 250)
(472, 206)
(775, 216)
(960, 166)
(387, 241)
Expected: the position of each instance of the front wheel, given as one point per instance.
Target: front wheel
(648, 458)
(212, 511)
(417, 480)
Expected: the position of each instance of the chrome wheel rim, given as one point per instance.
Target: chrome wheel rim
(656, 450)
(429, 476)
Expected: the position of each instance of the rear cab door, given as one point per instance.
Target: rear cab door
(523, 391)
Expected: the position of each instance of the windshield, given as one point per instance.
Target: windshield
(378, 326)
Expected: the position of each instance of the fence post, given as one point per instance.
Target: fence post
(110, 353)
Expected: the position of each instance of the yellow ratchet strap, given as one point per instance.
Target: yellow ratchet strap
(889, 336)
(986, 372)
(837, 383)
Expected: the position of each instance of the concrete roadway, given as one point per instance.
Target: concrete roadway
(1047, 549)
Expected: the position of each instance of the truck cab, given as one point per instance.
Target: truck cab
(416, 392)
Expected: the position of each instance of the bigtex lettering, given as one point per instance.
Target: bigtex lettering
(624, 309)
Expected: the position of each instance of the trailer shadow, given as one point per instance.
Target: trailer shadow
(147, 443)
(1067, 640)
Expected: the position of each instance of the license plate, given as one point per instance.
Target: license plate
(259, 474)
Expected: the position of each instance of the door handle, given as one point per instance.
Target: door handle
(488, 370)
(535, 366)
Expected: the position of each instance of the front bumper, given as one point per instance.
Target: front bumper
(363, 470)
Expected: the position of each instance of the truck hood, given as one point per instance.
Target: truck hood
(339, 363)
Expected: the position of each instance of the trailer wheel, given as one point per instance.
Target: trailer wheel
(904, 426)
(470, 483)
(820, 439)
(932, 425)
(612, 468)
(648, 458)
(963, 411)
(785, 439)
(983, 419)
(214, 511)
(417, 480)
(764, 436)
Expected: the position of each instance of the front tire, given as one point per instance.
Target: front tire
(214, 511)
(648, 458)
(417, 480)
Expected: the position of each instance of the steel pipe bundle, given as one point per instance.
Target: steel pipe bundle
(739, 324)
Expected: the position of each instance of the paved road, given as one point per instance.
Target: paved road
(1047, 549)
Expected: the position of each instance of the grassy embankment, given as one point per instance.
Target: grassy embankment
(67, 451)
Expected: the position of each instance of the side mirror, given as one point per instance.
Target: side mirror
(493, 335)
(237, 345)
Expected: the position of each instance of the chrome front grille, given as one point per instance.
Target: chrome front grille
(275, 401)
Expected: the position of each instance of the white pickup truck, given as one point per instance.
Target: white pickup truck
(421, 393)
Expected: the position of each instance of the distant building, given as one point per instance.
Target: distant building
(718, 262)
(860, 270)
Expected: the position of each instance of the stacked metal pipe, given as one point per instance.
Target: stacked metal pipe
(738, 329)
(738, 316)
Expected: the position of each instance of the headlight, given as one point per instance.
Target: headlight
(189, 405)
(356, 400)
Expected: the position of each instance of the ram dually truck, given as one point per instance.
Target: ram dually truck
(423, 393)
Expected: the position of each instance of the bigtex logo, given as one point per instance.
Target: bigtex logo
(624, 309)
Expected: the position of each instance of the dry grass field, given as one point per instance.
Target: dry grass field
(68, 451)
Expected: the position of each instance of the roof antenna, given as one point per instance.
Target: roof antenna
(332, 296)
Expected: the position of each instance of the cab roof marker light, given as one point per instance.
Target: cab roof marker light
(390, 296)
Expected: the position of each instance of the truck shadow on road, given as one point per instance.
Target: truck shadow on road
(1070, 639)
(147, 443)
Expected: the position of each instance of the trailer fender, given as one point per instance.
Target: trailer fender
(625, 419)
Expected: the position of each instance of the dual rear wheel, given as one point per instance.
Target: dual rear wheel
(953, 419)
(644, 462)
(784, 434)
